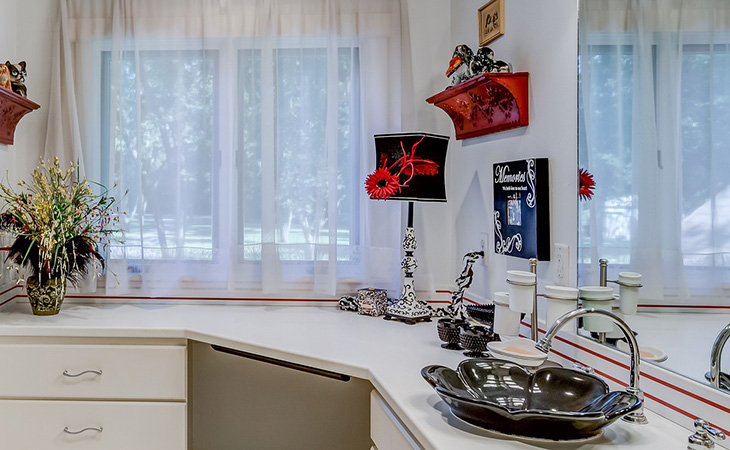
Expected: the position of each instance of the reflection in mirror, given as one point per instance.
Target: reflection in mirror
(715, 376)
(654, 110)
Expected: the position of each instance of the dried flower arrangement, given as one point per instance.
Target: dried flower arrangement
(58, 223)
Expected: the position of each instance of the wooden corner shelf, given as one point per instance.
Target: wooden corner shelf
(487, 103)
(12, 108)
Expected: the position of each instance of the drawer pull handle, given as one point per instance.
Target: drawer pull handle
(98, 430)
(74, 375)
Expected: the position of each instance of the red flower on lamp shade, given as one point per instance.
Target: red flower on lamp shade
(381, 184)
(384, 183)
(586, 184)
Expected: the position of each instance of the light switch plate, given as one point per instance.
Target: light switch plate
(484, 246)
(562, 264)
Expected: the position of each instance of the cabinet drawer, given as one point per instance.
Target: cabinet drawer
(386, 430)
(39, 424)
(93, 371)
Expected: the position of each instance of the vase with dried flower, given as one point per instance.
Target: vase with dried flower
(58, 223)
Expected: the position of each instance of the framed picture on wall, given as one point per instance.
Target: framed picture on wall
(491, 21)
(522, 209)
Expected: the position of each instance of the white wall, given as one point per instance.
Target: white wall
(36, 19)
(540, 38)
(7, 52)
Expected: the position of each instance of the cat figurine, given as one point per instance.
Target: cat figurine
(17, 77)
(5, 77)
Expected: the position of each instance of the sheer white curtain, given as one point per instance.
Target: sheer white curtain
(242, 131)
(655, 109)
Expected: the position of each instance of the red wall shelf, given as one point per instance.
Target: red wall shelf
(487, 103)
(12, 108)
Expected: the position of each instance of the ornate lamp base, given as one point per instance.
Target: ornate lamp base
(408, 308)
(408, 312)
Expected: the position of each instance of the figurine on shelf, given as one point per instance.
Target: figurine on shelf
(5, 77)
(17, 77)
(459, 66)
(483, 61)
(465, 64)
(501, 67)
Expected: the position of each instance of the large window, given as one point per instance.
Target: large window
(168, 150)
(287, 89)
(243, 131)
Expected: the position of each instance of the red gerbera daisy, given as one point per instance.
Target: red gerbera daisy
(381, 184)
(587, 184)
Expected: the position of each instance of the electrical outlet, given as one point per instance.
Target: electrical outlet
(562, 264)
(484, 246)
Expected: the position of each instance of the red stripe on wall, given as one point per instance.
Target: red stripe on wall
(651, 305)
(687, 393)
(643, 374)
(10, 289)
(652, 397)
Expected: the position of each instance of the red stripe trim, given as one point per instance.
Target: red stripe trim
(452, 293)
(603, 374)
(687, 393)
(235, 299)
(681, 411)
(653, 305)
(8, 290)
(580, 347)
(643, 374)
(646, 395)
(238, 299)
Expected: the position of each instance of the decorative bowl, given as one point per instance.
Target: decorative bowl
(474, 339)
(484, 314)
(551, 403)
(448, 330)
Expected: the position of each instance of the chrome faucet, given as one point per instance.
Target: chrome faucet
(545, 343)
(715, 376)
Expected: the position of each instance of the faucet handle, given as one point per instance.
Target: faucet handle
(705, 436)
(582, 368)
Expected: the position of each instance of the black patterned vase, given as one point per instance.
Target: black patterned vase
(46, 298)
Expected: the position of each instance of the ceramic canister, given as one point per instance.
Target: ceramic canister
(506, 321)
(628, 291)
(599, 297)
(559, 300)
(521, 293)
(371, 301)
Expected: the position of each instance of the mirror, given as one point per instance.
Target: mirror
(654, 104)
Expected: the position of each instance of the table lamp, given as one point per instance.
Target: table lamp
(409, 167)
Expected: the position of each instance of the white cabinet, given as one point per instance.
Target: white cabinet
(93, 395)
(93, 371)
(386, 430)
(80, 425)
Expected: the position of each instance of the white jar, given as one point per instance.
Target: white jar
(521, 293)
(628, 291)
(506, 321)
(599, 297)
(559, 300)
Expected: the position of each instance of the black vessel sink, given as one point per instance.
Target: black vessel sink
(550, 403)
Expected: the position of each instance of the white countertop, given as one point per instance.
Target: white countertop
(389, 354)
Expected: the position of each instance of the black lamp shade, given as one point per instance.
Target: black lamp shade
(418, 160)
